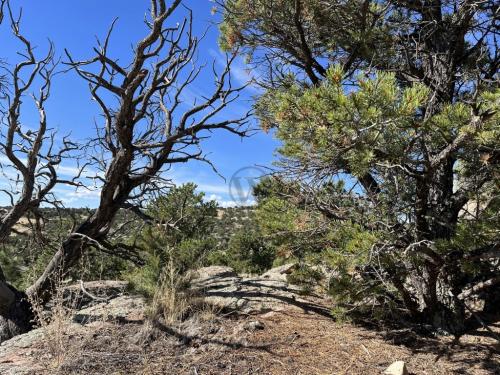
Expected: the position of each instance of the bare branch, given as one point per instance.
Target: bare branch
(31, 154)
(144, 130)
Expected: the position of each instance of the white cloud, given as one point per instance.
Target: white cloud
(213, 188)
(84, 193)
(77, 197)
(66, 170)
(226, 203)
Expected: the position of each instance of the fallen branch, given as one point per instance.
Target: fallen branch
(88, 294)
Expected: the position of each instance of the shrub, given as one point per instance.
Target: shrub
(249, 252)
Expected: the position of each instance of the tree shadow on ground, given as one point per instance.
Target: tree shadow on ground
(468, 351)
(266, 293)
(189, 339)
(477, 349)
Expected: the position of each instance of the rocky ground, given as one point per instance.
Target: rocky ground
(249, 325)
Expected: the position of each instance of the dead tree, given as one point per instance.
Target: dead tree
(29, 157)
(145, 131)
(146, 127)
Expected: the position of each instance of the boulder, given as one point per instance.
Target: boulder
(20, 355)
(280, 273)
(82, 294)
(120, 309)
(217, 272)
(222, 288)
(14, 354)
(397, 368)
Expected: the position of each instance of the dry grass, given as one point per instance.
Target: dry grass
(58, 329)
(291, 342)
(54, 326)
(189, 338)
(174, 300)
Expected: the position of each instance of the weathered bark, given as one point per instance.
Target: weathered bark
(437, 220)
(16, 315)
(140, 136)
(445, 311)
(439, 283)
(30, 155)
(93, 229)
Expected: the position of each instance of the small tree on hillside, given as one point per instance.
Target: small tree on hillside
(180, 237)
(398, 100)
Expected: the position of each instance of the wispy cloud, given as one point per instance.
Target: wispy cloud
(214, 187)
(66, 170)
(239, 70)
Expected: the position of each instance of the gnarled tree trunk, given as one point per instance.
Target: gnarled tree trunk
(16, 315)
(139, 138)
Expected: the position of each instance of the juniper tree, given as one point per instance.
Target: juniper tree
(394, 105)
(30, 156)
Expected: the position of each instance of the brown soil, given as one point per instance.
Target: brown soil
(280, 332)
(290, 342)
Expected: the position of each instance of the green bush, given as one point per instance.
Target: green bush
(248, 252)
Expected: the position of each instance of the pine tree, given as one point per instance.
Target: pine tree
(395, 103)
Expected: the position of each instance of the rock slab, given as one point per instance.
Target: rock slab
(222, 288)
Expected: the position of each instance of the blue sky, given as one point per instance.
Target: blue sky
(75, 25)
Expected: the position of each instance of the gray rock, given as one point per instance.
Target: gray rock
(16, 354)
(280, 273)
(120, 309)
(207, 273)
(22, 341)
(397, 368)
(80, 295)
(220, 287)
(254, 325)
(14, 358)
